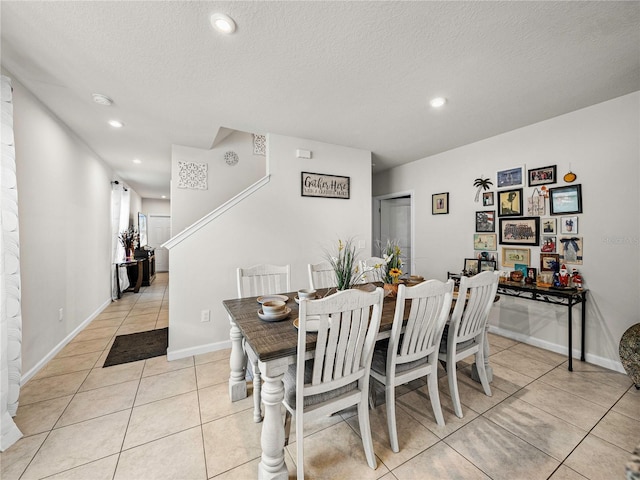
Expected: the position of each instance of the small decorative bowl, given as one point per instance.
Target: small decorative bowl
(273, 307)
(516, 276)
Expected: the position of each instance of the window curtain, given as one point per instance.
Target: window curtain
(120, 200)
(10, 310)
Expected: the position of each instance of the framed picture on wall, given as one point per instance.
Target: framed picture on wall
(520, 231)
(487, 199)
(548, 225)
(487, 265)
(569, 225)
(542, 176)
(510, 203)
(563, 200)
(549, 262)
(513, 255)
(471, 265)
(510, 177)
(486, 221)
(484, 241)
(440, 203)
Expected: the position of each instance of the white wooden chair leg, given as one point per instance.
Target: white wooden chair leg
(257, 392)
(482, 373)
(299, 446)
(432, 383)
(365, 432)
(453, 386)
(391, 417)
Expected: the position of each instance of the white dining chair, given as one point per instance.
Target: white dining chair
(376, 267)
(254, 281)
(465, 334)
(413, 352)
(321, 275)
(337, 377)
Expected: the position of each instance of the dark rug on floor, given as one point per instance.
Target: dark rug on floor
(138, 346)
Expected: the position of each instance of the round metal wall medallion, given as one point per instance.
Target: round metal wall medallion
(231, 158)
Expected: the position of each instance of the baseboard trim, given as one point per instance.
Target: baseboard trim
(49, 356)
(178, 353)
(554, 347)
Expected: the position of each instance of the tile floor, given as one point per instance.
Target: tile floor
(158, 420)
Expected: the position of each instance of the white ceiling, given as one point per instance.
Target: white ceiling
(357, 74)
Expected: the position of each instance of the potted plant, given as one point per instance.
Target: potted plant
(392, 255)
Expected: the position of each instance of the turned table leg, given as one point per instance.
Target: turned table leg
(272, 466)
(237, 364)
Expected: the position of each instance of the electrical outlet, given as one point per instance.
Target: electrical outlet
(205, 315)
(60, 314)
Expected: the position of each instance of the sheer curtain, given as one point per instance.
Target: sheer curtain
(10, 310)
(120, 199)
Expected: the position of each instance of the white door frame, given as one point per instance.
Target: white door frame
(158, 215)
(375, 224)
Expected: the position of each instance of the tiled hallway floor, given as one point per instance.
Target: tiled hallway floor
(156, 420)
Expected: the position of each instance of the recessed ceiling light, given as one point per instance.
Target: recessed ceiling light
(164, 196)
(102, 99)
(223, 23)
(116, 123)
(137, 160)
(437, 102)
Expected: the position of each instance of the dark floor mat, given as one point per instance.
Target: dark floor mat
(138, 346)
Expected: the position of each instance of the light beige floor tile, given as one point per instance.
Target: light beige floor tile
(140, 319)
(584, 387)
(98, 402)
(600, 374)
(178, 456)
(629, 404)
(521, 364)
(571, 408)
(162, 322)
(105, 323)
(96, 333)
(78, 348)
(157, 365)
(498, 341)
(565, 473)
(47, 388)
(418, 404)
(413, 437)
(544, 431)
(62, 365)
(102, 377)
(102, 469)
(231, 441)
(499, 453)
(165, 385)
(111, 314)
(539, 354)
(212, 373)
(41, 416)
(336, 452)
(215, 403)
(162, 418)
(472, 394)
(505, 379)
(136, 327)
(78, 444)
(149, 300)
(144, 311)
(598, 460)
(16, 458)
(437, 463)
(622, 431)
(213, 356)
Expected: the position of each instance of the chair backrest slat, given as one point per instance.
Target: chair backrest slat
(263, 279)
(321, 275)
(469, 318)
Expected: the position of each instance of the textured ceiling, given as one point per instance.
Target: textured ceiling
(357, 74)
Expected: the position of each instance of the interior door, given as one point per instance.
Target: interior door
(159, 227)
(395, 224)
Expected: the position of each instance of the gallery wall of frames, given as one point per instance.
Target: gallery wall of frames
(529, 220)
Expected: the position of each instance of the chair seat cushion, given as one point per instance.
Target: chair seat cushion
(461, 346)
(379, 363)
(290, 389)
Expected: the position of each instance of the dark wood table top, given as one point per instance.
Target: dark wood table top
(271, 340)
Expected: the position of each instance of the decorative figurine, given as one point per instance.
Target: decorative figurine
(564, 276)
(576, 279)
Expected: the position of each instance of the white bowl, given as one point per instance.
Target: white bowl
(273, 307)
(306, 293)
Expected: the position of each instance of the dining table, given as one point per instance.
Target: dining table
(275, 346)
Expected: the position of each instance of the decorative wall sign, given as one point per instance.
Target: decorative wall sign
(192, 175)
(328, 186)
(231, 158)
(259, 144)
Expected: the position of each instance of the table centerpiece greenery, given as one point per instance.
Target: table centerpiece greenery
(348, 270)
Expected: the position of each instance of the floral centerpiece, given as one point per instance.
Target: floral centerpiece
(129, 240)
(392, 268)
(348, 270)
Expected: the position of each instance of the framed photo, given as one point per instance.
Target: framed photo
(327, 186)
(486, 221)
(563, 200)
(542, 176)
(532, 275)
(521, 267)
(484, 241)
(510, 177)
(548, 225)
(548, 244)
(520, 231)
(487, 265)
(439, 203)
(513, 255)
(569, 225)
(570, 250)
(487, 199)
(510, 203)
(549, 262)
(471, 266)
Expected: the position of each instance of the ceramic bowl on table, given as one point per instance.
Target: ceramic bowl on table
(273, 307)
(306, 293)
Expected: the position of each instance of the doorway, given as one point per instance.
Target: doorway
(393, 220)
(160, 232)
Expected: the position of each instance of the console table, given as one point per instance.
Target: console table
(134, 272)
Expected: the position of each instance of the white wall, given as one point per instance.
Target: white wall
(65, 234)
(601, 145)
(156, 206)
(224, 181)
(275, 225)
